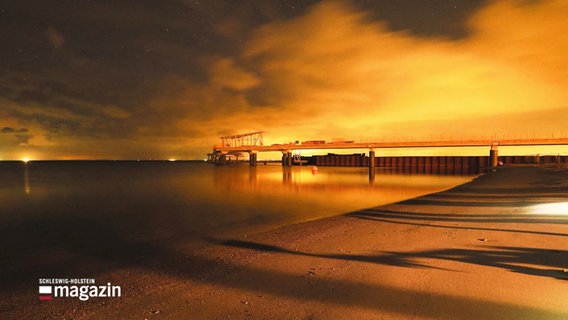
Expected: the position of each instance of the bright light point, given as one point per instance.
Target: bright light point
(558, 208)
(25, 159)
(172, 159)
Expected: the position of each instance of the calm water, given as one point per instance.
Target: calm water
(140, 201)
(82, 219)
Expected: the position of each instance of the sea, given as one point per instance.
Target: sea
(153, 200)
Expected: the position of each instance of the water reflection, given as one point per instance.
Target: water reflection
(176, 199)
(334, 183)
(27, 188)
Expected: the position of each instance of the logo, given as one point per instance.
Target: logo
(45, 293)
(82, 289)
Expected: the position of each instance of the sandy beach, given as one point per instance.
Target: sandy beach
(494, 248)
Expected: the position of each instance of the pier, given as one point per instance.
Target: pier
(252, 144)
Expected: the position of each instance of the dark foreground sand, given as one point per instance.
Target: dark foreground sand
(484, 250)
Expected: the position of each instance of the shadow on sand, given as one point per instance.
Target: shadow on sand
(427, 220)
(544, 262)
(96, 248)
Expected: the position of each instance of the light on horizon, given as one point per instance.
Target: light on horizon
(26, 159)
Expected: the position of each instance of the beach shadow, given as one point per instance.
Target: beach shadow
(491, 197)
(477, 201)
(544, 262)
(428, 220)
(115, 252)
(94, 241)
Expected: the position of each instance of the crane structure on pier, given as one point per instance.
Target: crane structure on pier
(252, 139)
(235, 145)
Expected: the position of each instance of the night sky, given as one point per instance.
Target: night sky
(146, 79)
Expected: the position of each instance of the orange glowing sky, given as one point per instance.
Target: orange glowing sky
(334, 70)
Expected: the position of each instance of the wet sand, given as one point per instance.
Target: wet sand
(484, 250)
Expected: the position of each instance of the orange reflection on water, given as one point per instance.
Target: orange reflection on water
(330, 191)
(27, 188)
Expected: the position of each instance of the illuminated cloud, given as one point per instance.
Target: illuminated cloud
(334, 72)
(334, 68)
(225, 73)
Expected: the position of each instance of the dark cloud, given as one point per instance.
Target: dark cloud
(432, 18)
(12, 130)
(23, 138)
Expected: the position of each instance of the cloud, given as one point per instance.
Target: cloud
(23, 138)
(525, 35)
(225, 73)
(116, 112)
(54, 37)
(335, 72)
(335, 67)
(13, 130)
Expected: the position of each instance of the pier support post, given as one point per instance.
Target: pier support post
(252, 158)
(287, 158)
(222, 160)
(493, 155)
(371, 164)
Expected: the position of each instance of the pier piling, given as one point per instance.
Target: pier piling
(252, 158)
(493, 155)
(371, 165)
